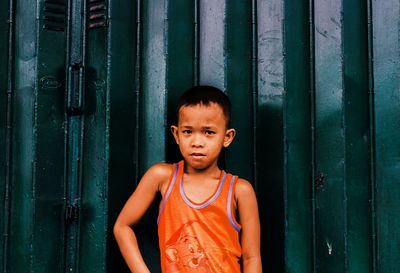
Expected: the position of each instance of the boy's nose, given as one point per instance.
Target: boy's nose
(197, 142)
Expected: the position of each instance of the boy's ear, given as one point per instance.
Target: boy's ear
(229, 136)
(174, 131)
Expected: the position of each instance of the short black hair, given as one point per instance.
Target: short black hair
(204, 94)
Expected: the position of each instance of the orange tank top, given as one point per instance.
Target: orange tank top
(198, 237)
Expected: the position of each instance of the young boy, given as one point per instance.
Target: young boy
(197, 226)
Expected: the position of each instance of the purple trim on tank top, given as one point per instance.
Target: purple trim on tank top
(168, 192)
(190, 204)
(228, 206)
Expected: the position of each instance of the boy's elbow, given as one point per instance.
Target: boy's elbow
(117, 229)
(120, 229)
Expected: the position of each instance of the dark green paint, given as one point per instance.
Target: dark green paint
(297, 140)
(238, 87)
(153, 107)
(6, 44)
(212, 43)
(153, 81)
(181, 62)
(331, 199)
(48, 131)
(269, 134)
(95, 153)
(123, 94)
(75, 134)
(386, 67)
(356, 104)
(314, 86)
(372, 170)
(20, 256)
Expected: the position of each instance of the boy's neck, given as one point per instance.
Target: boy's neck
(212, 170)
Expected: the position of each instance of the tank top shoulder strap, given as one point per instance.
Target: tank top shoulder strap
(230, 202)
(176, 173)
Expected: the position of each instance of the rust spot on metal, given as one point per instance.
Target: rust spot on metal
(319, 180)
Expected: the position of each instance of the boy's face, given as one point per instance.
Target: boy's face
(201, 134)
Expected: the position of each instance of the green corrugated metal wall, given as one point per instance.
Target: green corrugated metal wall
(86, 103)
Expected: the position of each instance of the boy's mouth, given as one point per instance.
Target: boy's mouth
(197, 155)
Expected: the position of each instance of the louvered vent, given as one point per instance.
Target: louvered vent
(55, 12)
(97, 13)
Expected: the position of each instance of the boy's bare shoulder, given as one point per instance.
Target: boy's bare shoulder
(160, 170)
(243, 189)
(158, 175)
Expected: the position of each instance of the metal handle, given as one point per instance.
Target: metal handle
(75, 98)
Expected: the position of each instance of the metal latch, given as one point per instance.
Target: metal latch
(75, 97)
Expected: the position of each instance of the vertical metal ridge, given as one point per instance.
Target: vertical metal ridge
(64, 250)
(196, 34)
(84, 32)
(80, 172)
(372, 137)
(107, 134)
(254, 86)
(345, 154)
(166, 81)
(226, 54)
(138, 86)
(34, 142)
(313, 136)
(284, 133)
(7, 193)
(75, 124)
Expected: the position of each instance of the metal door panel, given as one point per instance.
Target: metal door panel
(153, 107)
(269, 133)
(21, 223)
(94, 210)
(49, 130)
(122, 65)
(5, 126)
(386, 67)
(182, 61)
(212, 46)
(298, 139)
(314, 87)
(357, 134)
(330, 138)
(239, 85)
(153, 83)
(38, 177)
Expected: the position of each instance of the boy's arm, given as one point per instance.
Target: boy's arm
(250, 232)
(134, 209)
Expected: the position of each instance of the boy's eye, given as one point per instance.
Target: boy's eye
(209, 132)
(187, 131)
